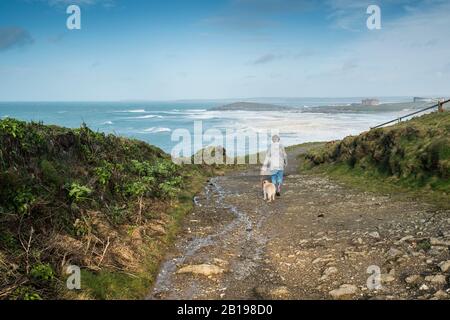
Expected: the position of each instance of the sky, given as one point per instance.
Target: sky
(222, 49)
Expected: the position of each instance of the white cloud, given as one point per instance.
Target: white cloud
(407, 57)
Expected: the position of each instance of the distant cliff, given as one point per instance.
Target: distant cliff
(255, 106)
(252, 106)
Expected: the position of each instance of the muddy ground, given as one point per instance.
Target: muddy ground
(315, 242)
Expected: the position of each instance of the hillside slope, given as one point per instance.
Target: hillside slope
(414, 154)
(76, 197)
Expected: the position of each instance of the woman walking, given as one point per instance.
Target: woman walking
(275, 163)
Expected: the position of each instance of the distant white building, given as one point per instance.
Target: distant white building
(370, 102)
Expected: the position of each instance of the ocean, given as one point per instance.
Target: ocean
(156, 122)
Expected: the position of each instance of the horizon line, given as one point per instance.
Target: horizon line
(235, 99)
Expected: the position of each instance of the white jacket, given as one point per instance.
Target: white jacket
(276, 158)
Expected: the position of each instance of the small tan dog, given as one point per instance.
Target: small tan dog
(269, 191)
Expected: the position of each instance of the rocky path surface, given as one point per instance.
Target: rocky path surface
(320, 240)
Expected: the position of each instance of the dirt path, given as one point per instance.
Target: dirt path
(318, 237)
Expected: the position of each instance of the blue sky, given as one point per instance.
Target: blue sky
(215, 49)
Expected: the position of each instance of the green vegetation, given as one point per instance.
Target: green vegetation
(78, 192)
(108, 204)
(424, 245)
(411, 157)
(42, 272)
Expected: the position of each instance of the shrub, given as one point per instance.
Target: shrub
(170, 188)
(117, 214)
(78, 192)
(164, 169)
(8, 240)
(23, 201)
(42, 272)
(104, 173)
(82, 227)
(49, 173)
(32, 296)
(424, 245)
(25, 293)
(136, 189)
(12, 127)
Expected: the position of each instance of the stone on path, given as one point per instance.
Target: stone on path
(374, 235)
(394, 253)
(424, 287)
(445, 266)
(441, 294)
(202, 269)
(269, 292)
(436, 279)
(439, 242)
(386, 278)
(413, 279)
(330, 270)
(346, 291)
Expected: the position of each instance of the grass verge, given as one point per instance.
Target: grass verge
(410, 159)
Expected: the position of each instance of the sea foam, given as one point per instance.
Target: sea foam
(148, 116)
(157, 130)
